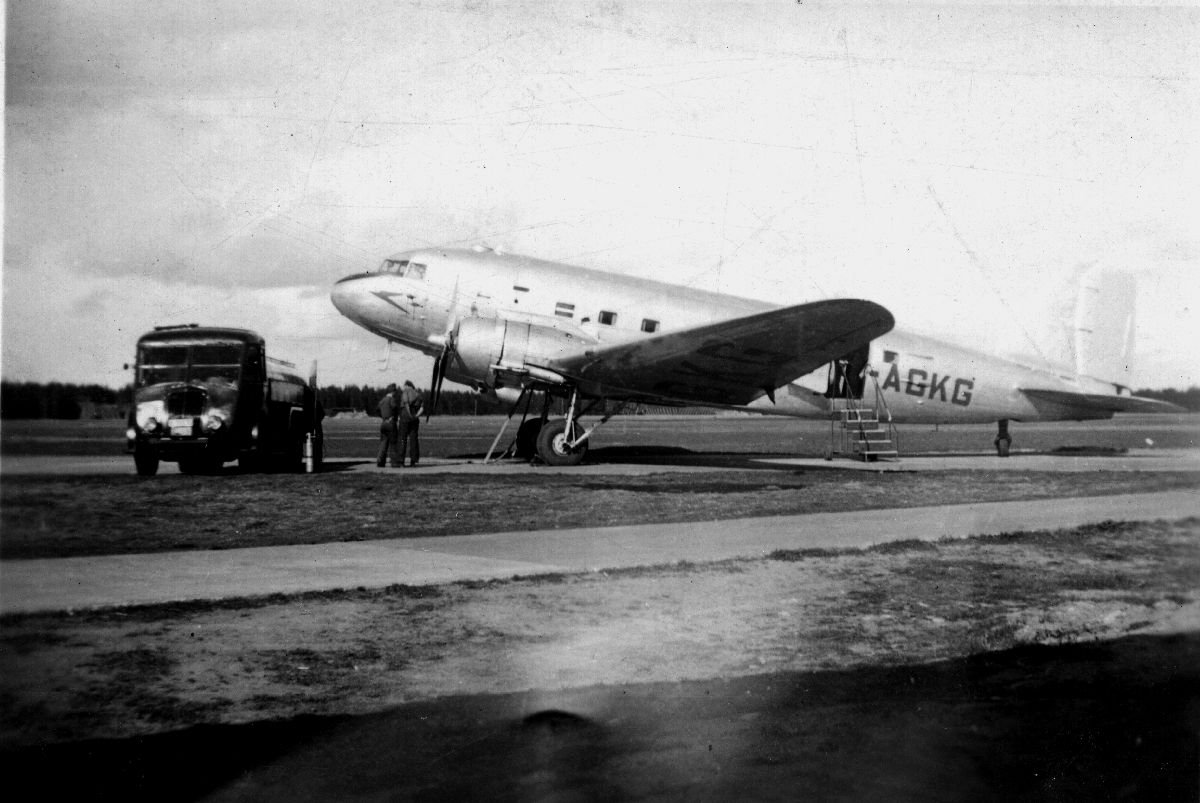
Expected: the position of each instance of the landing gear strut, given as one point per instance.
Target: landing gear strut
(560, 442)
(1003, 439)
(566, 445)
(525, 446)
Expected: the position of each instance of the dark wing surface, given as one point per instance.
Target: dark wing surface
(732, 362)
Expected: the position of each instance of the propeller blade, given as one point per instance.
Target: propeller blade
(439, 376)
(433, 386)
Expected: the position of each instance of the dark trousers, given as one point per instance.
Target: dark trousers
(410, 441)
(387, 445)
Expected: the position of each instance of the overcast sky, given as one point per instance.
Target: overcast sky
(226, 162)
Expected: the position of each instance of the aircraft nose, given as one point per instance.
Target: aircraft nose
(347, 295)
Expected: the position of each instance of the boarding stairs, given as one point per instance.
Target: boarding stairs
(863, 429)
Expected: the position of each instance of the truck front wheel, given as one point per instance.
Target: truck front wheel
(145, 460)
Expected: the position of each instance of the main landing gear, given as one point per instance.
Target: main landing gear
(556, 441)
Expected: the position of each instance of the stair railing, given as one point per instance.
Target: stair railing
(881, 404)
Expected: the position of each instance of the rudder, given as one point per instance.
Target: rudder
(1104, 325)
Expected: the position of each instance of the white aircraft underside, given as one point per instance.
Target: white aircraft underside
(505, 323)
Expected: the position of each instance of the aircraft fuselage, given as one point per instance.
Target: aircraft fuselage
(417, 298)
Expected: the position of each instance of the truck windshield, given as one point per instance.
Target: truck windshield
(201, 362)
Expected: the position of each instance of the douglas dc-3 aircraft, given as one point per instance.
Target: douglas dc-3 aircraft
(513, 326)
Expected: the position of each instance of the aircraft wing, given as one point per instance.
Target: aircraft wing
(1102, 402)
(732, 362)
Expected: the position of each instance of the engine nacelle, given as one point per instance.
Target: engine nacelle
(482, 343)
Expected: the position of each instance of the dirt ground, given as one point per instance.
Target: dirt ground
(549, 685)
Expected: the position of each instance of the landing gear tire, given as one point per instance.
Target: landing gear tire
(145, 460)
(527, 439)
(552, 445)
(1003, 439)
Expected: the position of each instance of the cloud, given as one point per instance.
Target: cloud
(944, 160)
(83, 329)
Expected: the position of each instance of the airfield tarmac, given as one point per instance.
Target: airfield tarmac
(750, 734)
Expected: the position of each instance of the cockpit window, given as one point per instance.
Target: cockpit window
(403, 267)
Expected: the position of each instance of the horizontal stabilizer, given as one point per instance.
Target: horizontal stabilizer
(732, 362)
(1101, 402)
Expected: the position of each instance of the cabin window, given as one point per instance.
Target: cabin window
(649, 325)
(564, 310)
(608, 318)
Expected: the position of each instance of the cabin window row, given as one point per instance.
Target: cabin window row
(564, 309)
(605, 318)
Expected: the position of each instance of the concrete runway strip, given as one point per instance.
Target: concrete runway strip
(120, 580)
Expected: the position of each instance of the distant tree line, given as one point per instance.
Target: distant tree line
(338, 398)
(59, 400)
(63, 400)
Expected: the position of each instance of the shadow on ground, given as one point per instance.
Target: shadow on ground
(672, 456)
(675, 456)
(1108, 721)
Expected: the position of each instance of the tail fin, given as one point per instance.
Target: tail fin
(1104, 325)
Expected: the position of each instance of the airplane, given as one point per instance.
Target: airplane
(515, 326)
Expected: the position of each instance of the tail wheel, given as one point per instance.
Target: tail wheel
(552, 444)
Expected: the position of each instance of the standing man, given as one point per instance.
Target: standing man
(389, 407)
(411, 407)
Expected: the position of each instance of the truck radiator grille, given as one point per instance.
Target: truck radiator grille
(188, 401)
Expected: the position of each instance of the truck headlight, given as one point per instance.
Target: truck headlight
(214, 424)
(149, 416)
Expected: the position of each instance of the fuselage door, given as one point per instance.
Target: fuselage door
(848, 375)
